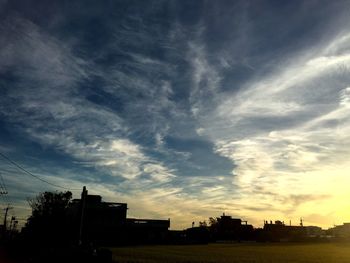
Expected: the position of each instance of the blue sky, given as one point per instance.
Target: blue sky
(182, 109)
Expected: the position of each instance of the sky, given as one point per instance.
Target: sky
(182, 109)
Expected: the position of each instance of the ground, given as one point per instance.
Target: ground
(237, 253)
(4, 257)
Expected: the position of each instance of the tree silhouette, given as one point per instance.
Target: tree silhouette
(48, 223)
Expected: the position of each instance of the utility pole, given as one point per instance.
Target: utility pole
(5, 218)
(82, 202)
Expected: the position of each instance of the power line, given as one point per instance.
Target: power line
(3, 189)
(33, 175)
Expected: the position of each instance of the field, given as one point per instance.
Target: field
(239, 253)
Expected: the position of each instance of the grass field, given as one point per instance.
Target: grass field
(240, 253)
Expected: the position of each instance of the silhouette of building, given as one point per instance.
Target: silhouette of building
(107, 222)
(278, 231)
(196, 235)
(228, 228)
(314, 231)
(340, 231)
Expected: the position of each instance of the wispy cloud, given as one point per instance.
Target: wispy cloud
(205, 79)
(283, 129)
(52, 113)
(196, 113)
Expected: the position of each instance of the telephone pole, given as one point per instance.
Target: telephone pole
(5, 218)
(82, 203)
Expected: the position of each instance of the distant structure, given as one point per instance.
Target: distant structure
(222, 229)
(93, 221)
(315, 231)
(228, 228)
(340, 231)
(225, 228)
(107, 222)
(278, 231)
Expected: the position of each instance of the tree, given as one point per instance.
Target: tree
(213, 221)
(49, 204)
(213, 225)
(48, 223)
(203, 224)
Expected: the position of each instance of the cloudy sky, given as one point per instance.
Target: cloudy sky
(182, 109)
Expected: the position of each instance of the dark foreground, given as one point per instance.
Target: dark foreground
(20, 254)
(238, 252)
(235, 252)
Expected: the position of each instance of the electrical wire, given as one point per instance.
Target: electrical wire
(3, 192)
(3, 189)
(33, 175)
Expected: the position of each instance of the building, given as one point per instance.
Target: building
(107, 222)
(314, 231)
(278, 231)
(340, 231)
(228, 228)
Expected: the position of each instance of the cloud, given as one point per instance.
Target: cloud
(53, 109)
(36, 55)
(52, 113)
(180, 110)
(299, 199)
(284, 128)
(205, 79)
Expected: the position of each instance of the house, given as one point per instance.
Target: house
(278, 231)
(107, 222)
(228, 228)
(340, 231)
